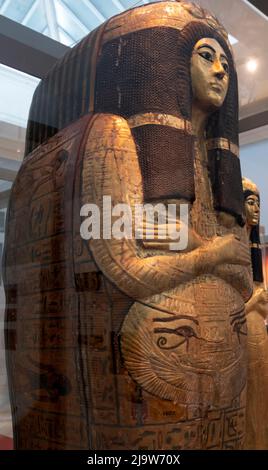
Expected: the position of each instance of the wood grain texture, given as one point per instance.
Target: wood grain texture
(42, 333)
(119, 343)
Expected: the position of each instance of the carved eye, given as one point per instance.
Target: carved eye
(226, 67)
(253, 202)
(206, 55)
(184, 332)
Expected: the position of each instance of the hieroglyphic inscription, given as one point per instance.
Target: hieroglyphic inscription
(47, 333)
(45, 374)
(206, 433)
(58, 303)
(65, 431)
(234, 429)
(48, 381)
(96, 332)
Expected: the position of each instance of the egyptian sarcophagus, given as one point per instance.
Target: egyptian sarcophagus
(120, 342)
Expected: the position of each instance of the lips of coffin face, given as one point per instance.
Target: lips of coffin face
(194, 357)
(209, 74)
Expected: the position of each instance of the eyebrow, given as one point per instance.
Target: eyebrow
(176, 317)
(212, 49)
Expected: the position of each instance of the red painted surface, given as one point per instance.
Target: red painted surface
(6, 443)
